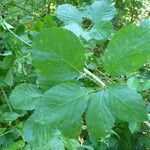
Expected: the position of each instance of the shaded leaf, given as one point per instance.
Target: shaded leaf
(126, 104)
(99, 118)
(8, 116)
(134, 127)
(63, 105)
(101, 30)
(42, 136)
(25, 96)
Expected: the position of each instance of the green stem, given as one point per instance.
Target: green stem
(4, 23)
(6, 99)
(96, 79)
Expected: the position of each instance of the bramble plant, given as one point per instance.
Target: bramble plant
(61, 95)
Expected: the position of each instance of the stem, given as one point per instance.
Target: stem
(18, 37)
(96, 79)
(6, 133)
(6, 99)
(3, 22)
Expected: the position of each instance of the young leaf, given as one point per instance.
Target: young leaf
(103, 10)
(42, 136)
(128, 50)
(101, 30)
(134, 127)
(78, 30)
(25, 96)
(99, 118)
(68, 14)
(63, 105)
(57, 55)
(125, 103)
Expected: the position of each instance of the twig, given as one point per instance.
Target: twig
(6, 132)
(107, 78)
(87, 72)
(6, 99)
(3, 22)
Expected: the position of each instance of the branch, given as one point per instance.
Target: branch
(96, 79)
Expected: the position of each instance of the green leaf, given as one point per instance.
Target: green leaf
(134, 127)
(2, 131)
(125, 103)
(103, 10)
(2, 81)
(145, 85)
(57, 55)
(133, 83)
(71, 144)
(8, 116)
(78, 30)
(128, 50)
(71, 129)
(144, 141)
(7, 62)
(8, 138)
(9, 77)
(101, 30)
(63, 105)
(16, 146)
(145, 23)
(25, 96)
(99, 118)
(68, 14)
(42, 136)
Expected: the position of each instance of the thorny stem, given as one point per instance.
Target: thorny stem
(98, 80)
